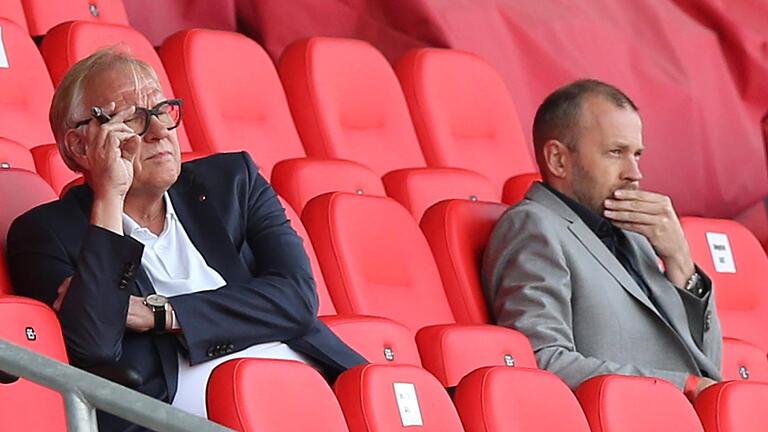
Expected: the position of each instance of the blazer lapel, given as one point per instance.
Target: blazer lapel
(593, 244)
(205, 228)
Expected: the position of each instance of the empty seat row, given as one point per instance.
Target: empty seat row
(362, 123)
(38, 16)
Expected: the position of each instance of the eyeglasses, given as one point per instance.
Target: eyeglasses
(168, 113)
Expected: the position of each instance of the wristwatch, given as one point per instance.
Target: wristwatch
(694, 285)
(159, 305)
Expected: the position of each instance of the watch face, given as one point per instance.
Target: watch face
(156, 300)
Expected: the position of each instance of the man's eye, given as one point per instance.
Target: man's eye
(615, 152)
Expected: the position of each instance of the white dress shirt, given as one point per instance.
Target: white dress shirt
(175, 266)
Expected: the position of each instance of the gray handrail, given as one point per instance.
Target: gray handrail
(84, 392)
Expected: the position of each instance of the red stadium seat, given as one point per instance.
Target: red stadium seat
(743, 361)
(26, 406)
(632, 403)
(516, 187)
(299, 180)
(451, 352)
(66, 44)
(461, 125)
(254, 395)
(326, 305)
(501, 399)
(379, 340)
(25, 88)
(418, 402)
(15, 155)
(20, 190)
(347, 104)
(246, 110)
(13, 11)
(52, 168)
(457, 232)
(42, 15)
(375, 260)
(418, 189)
(737, 264)
(734, 407)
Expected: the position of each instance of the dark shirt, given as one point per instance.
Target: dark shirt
(613, 238)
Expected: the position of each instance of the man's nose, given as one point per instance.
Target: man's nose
(632, 170)
(156, 130)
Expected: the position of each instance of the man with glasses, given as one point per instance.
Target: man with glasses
(160, 271)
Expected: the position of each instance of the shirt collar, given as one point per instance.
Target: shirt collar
(130, 226)
(595, 222)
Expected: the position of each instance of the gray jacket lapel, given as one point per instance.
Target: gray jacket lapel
(591, 242)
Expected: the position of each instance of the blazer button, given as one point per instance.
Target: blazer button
(708, 321)
(230, 348)
(210, 352)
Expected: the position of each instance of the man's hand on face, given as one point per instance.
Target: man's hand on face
(110, 150)
(653, 216)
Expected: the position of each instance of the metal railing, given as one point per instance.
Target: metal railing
(84, 392)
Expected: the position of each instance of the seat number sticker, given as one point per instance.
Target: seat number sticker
(3, 55)
(408, 404)
(720, 249)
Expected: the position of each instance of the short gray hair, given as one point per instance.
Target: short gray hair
(69, 93)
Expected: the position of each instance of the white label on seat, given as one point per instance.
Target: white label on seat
(408, 404)
(3, 55)
(720, 249)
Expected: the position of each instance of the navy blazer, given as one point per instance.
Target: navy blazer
(234, 219)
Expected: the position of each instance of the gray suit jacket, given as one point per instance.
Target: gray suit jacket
(548, 275)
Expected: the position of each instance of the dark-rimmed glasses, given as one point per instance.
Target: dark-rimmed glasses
(168, 113)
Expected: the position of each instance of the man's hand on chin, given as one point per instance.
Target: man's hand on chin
(652, 215)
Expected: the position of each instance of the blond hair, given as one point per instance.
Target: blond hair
(69, 94)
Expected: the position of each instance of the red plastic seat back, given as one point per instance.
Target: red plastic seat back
(381, 398)
(500, 399)
(254, 395)
(25, 88)
(632, 403)
(300, 180)
(463, 113)
(733, 407)
(20, 190)
(379, 340)
(452, 351)
(13, 11)
(68, 43)
(743, 361)
(375, 260)
(457, 232)
(15, 155)
(42, 15)
(52, 168)
(26, 406)
(739, 277)
(517, 186)
(233, 97)
(326, 305)
(420, 188)
(347, 104)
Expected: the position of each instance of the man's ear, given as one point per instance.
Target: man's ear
(556, 158)
(76, 145)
